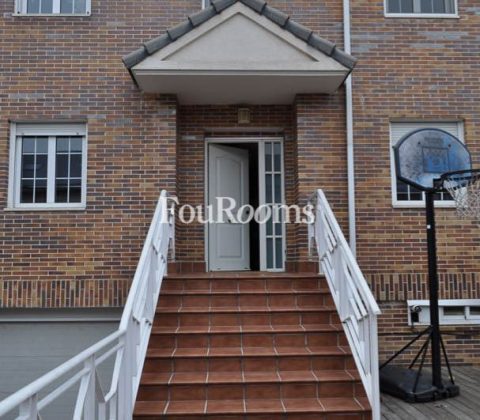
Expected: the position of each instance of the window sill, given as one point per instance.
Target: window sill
(422, 15)
(421, 205)
(51, 208)
(53, 15)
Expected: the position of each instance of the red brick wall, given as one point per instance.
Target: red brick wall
(413, 69)
(321, 155)
(70, 69)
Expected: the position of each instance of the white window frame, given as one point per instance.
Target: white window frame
(206, 3)
(52, 130)
(420, 15)
(424, 305)
(21, 9)
(418, 203)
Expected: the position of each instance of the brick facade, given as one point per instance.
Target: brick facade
(413, 70)
(409, 69)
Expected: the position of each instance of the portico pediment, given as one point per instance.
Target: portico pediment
(238, 55)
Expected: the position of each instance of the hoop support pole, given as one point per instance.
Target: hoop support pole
(433, 286)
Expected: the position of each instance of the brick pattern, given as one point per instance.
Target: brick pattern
(72, 70)
(131, 136)
(63, 293)
(410, 69)
(321, 156)
(402, 287)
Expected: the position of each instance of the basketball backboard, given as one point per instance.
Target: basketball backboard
(426, 154)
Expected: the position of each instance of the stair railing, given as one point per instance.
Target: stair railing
(128, 345)
(353, 298)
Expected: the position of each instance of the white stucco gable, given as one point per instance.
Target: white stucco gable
(239, 56)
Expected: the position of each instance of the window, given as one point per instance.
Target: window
(206, 3)
(451, 312)
(47, 166)
(423, 8)
(52, 7)
(404, 195)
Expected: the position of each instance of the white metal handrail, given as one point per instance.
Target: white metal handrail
(353, 298)
(128, 344)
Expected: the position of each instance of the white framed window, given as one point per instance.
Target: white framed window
(53, 7)
(421, 8)
(206, 3)
(451, 312)
(48, 166)
(404, 195)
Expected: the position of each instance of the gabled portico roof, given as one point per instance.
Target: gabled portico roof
(239, 51)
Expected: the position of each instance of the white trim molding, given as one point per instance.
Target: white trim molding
(21, 9)
(398, 129)
(417, 14)
(50, 131)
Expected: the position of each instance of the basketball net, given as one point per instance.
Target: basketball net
(465, 190)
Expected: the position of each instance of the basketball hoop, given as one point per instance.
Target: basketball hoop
(432, 161)
(464, 188)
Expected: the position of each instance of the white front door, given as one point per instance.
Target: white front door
(229, 241)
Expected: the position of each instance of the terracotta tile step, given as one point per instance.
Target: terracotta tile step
(206, 299)
(219, 391)
(245, 308)
(273, 408)
(244, 317)
(249, 360)
(202, 292)
(199, 329)
(245, 377)
(243, 285)
(225, 385)
(245, 275)
(248, 351)
(253, 339)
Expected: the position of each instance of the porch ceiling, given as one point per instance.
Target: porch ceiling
(239, 52)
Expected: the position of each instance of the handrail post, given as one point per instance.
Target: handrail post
(375, 379)
(90, 396)
(28, 409)
(343, 292)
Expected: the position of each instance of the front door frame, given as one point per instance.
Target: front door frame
(261, 177)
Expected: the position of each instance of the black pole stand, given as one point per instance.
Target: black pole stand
(406, 383)
(433, 290)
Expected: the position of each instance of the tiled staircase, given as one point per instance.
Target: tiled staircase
(240, 346)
